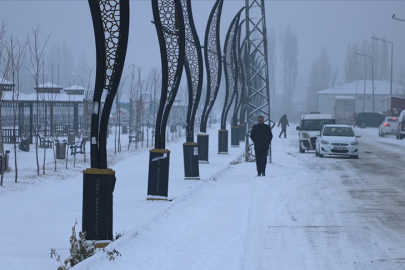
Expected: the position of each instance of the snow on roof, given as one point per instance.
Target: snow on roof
(8, 95)
(380, 87)
(49, 85)
(316, 116)
(75, 87)
(344, 97)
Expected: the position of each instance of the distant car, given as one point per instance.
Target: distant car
(388, 126)
(337, 140)
(368, 119)
(400, 130)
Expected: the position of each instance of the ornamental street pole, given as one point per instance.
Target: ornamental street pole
(213, 67)
(194, 73)
(169, 24)
(111, 26)
(230, 70)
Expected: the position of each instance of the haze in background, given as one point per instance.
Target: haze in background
(318, 24)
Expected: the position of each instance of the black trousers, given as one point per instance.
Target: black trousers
(283, 131)
(261, 160)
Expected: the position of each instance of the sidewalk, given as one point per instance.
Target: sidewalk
(39, 212)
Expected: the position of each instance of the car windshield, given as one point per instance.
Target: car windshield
(316, 124)
(338, 131)
(392, 119)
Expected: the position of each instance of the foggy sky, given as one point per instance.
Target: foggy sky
(329, 24)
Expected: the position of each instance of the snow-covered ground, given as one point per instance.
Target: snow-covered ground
(299, 216)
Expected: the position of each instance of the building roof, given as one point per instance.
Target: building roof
(8, 95)
(75, 87)
(380, 88)
(49, 85)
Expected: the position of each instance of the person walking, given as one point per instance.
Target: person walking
(284, 123)
(261, 136)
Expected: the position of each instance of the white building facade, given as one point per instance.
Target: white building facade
(362, 93)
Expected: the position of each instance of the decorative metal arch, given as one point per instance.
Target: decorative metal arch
(193, 67)
(230, 67)
(111, 26)
(240, 78)
(242, 73)
(169, 23)
(213, 61)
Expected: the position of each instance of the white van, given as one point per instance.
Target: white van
(310, 126)
(401, 126)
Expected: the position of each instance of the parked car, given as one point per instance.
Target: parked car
(388, 126)
(309, 128)
(368, 119)
(400, 131)
(337, 140)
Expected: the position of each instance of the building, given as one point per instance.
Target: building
(362, 93)
(50, 111)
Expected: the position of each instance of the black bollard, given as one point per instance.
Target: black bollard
(242, 130)
(158, 178)
(223, 141)
(203, 146)
(235, 136)
(98, 188)
(190, 154)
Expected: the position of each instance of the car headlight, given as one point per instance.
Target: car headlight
(324, 142)
(355, 142)
(305, 135)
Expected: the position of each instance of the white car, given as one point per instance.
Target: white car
(388, 126)
(337, 140)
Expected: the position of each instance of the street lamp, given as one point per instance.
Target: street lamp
(392, 53)
(372, 74)
(365, 76)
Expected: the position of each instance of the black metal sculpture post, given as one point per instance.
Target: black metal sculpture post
(242, 82)
(239, 96)
(194, 71)
(169, 23)
(230, 69)
(111, 25)
(213, 67)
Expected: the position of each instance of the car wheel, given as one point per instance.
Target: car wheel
(355, 157)
(363, 125)
(320, 155)
(301, 150)
(316, 153)
(401, 137)
(382, 134)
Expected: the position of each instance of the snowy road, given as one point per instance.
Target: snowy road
(307, 213)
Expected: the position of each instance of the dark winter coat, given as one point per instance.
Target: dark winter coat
(284, 122)
(261, 136)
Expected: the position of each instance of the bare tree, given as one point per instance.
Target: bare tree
(320, 77)
(139, 90)
(132, 98)
(5, 70)
(16, 52)
(289, 61)
(118, 96)
(37, 56)
(272, 61)
(87, 107)
(381, 63)
(156, 83)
